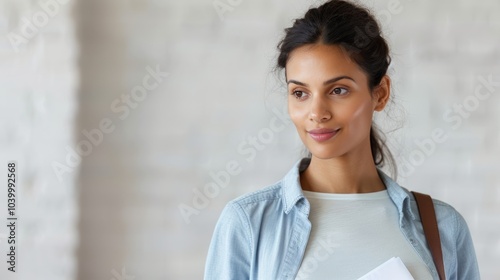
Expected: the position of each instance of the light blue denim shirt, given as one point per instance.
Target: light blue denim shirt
(263, 235)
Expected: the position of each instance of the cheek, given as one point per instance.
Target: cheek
(296, 114)
(360, 115)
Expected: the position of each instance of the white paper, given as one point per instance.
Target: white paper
(393, 269)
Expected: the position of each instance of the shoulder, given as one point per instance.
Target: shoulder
(450, 222)
(443, 210)
(267, 195)
(446, 212)
(244, 215)
(449, 216)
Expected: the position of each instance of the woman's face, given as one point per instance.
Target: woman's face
(329, 100)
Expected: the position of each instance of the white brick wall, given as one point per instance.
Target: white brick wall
(218, 95)
(38, 91)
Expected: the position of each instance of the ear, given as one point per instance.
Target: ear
(381, 94)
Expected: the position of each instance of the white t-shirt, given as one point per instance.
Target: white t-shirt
(354, 233)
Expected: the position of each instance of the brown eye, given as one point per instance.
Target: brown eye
(340, 91)
(298, 94)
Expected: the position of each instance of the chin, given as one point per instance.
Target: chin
(323, 153)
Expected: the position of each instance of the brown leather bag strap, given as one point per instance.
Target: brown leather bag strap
(431, 231)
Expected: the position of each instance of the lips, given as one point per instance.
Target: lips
(322, 134)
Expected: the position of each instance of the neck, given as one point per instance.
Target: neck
(349, 173)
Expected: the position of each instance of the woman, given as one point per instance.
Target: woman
(335, 215)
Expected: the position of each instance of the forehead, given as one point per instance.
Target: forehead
(319, 62)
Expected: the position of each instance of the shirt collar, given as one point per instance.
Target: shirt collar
(293, 195)
(292, 191)
(399, 195)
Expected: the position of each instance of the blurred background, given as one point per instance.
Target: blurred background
(133, 122)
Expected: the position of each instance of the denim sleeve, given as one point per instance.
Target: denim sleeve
(229, 253)
(467, 267)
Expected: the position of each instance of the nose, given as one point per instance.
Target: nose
(319, 110)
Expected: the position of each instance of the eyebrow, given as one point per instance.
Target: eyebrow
(332, 80)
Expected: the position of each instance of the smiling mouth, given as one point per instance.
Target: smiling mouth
(323, 136)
